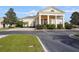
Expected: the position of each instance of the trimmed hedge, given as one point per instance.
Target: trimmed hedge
(47, 26)
(51, 26)
(39, 27)
(59, 26)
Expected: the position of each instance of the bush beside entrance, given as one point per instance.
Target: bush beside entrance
(51, 26)
(47, 26)
(59, 26)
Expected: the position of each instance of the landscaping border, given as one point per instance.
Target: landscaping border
(42, 44)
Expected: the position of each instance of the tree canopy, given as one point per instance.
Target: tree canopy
(10, 17)
(75, 18)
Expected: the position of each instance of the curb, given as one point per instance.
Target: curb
(42, 44)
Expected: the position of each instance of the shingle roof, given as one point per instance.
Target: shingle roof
(28, 17)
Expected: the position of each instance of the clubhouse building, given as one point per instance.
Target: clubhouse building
(49, 15)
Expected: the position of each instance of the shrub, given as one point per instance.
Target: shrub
(60, 26)
(19, 24)
(50, 26)
(39, 27)
(44, 26)
(74, 26)
(11, 27)
(68, 26)
(47, 26)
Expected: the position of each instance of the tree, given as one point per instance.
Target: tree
(4, 22)
(68, 25)
(75, 18)
(10, 17)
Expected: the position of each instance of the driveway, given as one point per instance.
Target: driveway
(54, 41)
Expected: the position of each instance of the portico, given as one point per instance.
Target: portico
(50, 15)
(51, 19)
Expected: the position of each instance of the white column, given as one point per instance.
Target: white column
(36, 23)
(56, 21)
(63, 22)
(47, 19)
(39, 19)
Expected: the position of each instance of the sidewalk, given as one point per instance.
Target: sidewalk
(20, 29)
(34, 29)
(1, 36)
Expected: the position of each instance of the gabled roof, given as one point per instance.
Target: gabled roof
(51, 8)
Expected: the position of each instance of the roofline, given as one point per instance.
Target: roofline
(52, 7)
(27, 17)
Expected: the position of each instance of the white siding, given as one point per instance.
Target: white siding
(30, 21)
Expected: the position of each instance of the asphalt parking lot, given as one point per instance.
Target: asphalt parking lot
(54, 41)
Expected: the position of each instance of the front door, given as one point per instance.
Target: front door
(44, 21)
(52, 21)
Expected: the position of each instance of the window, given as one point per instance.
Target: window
(52, 10)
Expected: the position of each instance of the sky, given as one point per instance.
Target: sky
(23, 11)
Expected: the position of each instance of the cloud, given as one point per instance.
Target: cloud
(29, 13)
(2, 11)
(32, 12)
(70, 11)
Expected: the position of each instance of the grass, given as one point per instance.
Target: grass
(20, 43)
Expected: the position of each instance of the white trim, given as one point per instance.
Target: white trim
(39, 19)
(51, 14)
(48, 19)
(63, 22)
(56, 21)
(42, 44)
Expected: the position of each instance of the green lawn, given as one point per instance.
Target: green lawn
(20, 43)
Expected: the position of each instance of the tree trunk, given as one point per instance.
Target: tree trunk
(3, 25)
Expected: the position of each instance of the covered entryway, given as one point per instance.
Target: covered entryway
(50, 19)
(50, 15)
(43, 19)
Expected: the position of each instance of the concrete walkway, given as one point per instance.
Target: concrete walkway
(21, 29)
(1, 36)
